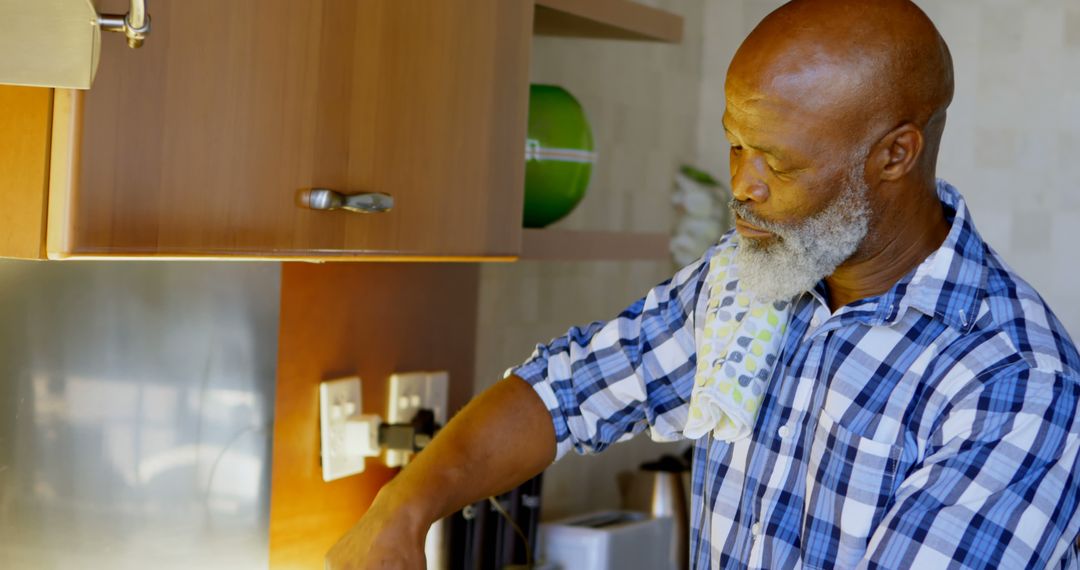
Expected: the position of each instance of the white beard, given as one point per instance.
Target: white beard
(804, 253)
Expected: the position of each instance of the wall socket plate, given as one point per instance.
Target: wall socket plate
(339, 400)
(411, 392)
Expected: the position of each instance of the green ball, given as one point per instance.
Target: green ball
(558, 155)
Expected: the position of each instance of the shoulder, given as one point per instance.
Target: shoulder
(727, 244)
(985, 387)
(722, 251)
(695, 273)
(679, 296)
(1013, 309)
(1015, 358)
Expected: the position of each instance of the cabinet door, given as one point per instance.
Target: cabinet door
(24, 169)
(199, 143)
(424, 319)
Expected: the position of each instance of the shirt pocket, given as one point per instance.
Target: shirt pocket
(849, 485)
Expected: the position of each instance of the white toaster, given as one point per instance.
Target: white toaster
(623, 540)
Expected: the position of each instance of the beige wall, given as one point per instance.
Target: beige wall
(1012, 147)
(1012, 144)
(642, 101)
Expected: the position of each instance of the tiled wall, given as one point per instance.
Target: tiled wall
(1012, 143)
(642, 100)
(1012, 147)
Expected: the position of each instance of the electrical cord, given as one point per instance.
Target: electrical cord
(528, 551)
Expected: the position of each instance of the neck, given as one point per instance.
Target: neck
(897, 245)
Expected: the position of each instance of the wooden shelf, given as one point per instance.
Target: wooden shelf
(566, 245)
(610, 19)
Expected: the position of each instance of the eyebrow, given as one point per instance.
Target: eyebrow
(766, 149)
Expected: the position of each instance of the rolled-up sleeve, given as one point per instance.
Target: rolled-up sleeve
(608, 381)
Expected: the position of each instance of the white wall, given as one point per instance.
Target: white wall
(1012, 143)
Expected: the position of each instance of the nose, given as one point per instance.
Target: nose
(747, 183)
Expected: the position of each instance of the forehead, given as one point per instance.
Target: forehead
(805, 106)
(777, 124)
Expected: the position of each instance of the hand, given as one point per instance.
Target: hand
(384, 539)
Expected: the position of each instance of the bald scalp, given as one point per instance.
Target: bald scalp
(876, 65)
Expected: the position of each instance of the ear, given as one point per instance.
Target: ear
(897, 153)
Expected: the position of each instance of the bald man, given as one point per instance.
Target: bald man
(922, 411)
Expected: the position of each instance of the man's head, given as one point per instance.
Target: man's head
(835, 110)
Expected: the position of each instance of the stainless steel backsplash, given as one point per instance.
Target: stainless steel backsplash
(136, 413)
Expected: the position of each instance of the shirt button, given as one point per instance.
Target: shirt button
(784, 431)
(756, 529)
(815, 321)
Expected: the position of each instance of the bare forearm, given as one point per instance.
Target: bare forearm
(503, 437)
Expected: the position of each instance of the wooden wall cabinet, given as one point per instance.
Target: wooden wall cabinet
(199, 143)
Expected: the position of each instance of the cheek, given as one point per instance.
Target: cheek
(789, 202)
(796, 200)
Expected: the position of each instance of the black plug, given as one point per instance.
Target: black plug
(413, 436)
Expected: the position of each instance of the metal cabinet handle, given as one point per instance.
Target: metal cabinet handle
(135, 24)
(364, 202)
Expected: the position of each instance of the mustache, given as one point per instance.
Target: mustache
(742, 210)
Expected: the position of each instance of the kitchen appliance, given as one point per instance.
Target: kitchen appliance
(623, 540)
(485, 535)
(658, 489)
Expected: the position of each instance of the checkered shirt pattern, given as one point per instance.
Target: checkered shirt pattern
(932, 426)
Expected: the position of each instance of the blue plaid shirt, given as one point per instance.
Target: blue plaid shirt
(933, 426)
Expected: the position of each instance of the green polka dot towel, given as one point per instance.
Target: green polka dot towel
(736, 353)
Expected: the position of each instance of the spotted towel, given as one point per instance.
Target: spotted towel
(736, 353)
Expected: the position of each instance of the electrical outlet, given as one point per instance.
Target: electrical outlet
(339, 401)
(411, 392)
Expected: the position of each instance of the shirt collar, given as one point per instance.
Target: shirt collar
(948, 285)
